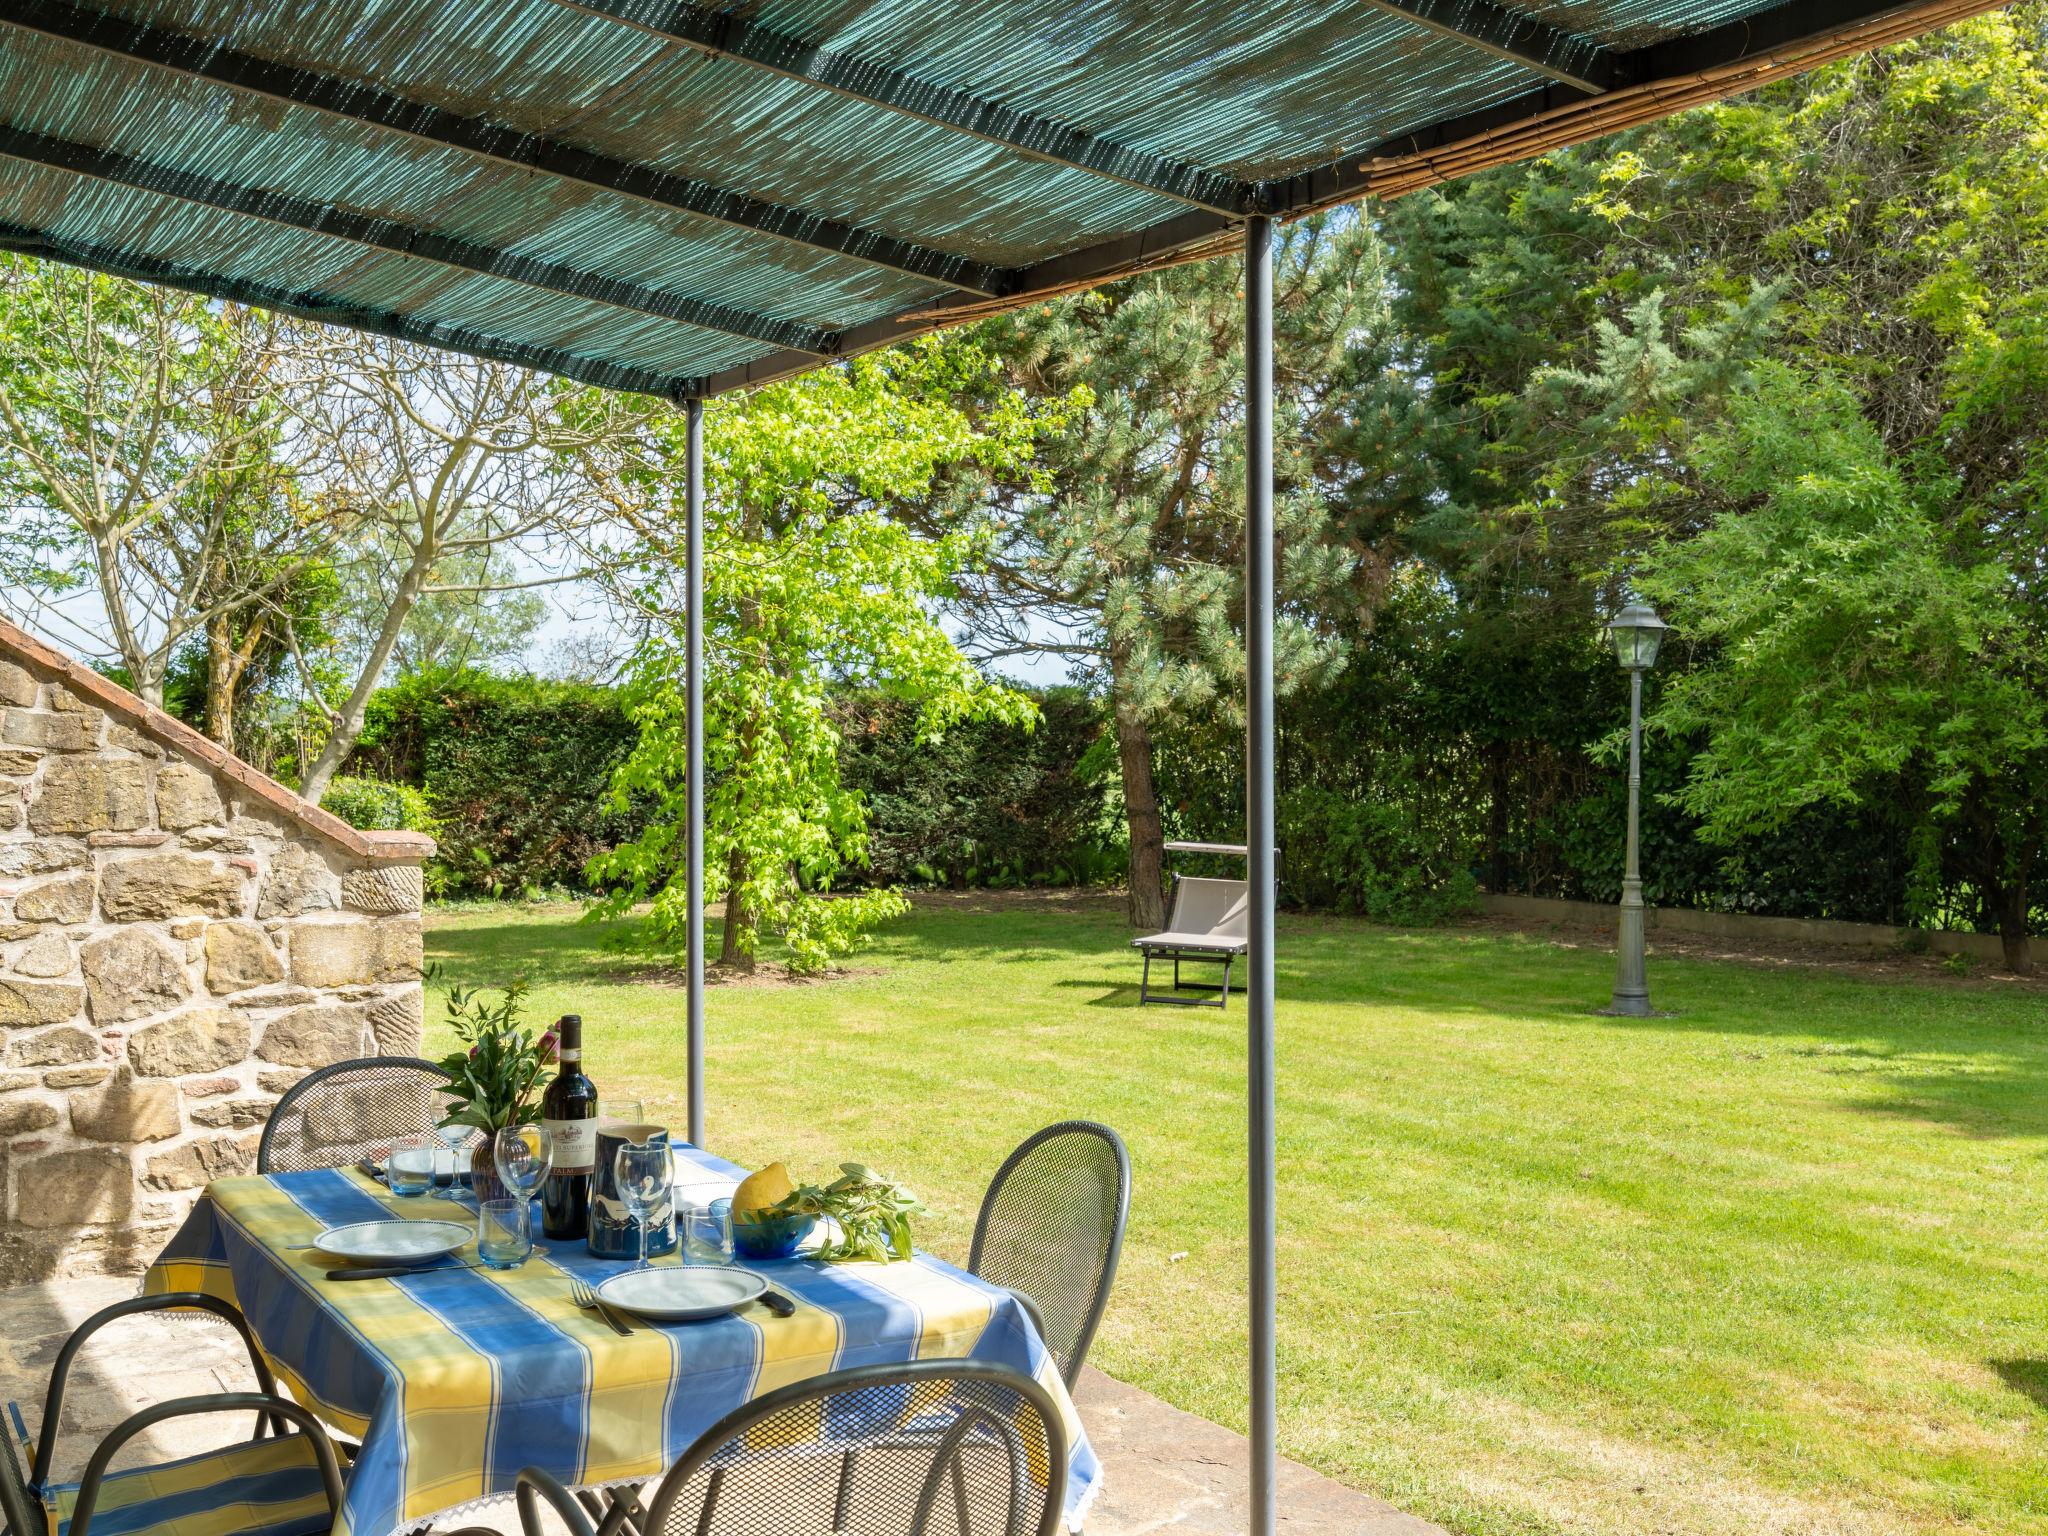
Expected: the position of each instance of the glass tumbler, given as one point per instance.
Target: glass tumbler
(707, 1232)
(409, 1170)
(504, 1233)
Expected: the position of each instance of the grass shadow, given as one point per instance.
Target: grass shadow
(2029, 1378)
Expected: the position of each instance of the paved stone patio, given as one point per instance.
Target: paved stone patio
(1165, 1471)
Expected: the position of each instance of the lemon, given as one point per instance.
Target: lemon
(759, 1191)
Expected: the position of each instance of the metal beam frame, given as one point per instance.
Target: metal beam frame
(725, 36)
(1517, 38)
(314, 306)
(693, 756)
(408, 240)
(352, 101)
(1261, 1178)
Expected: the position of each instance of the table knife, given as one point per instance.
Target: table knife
(392, 1271)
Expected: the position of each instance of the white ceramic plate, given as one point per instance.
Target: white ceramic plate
(393, 1242)
(682, 1293)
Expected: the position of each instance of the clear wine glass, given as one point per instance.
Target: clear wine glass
(454, 1138)
(523, 1154)
(644, 1174)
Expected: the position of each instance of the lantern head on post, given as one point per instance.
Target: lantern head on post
(1636, 633)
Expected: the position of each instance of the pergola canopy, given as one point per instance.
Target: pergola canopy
(682, 199)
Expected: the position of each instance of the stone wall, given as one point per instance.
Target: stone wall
(181, 939)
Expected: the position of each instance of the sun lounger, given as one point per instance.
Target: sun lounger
(1205, 921)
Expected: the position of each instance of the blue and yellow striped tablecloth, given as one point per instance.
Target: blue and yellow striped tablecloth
(455, 1379)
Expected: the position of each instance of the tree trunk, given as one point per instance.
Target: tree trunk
(224, 664)
(348, 721)
(1497, 873)
(2012, 924)
(1141, 811)
(738, 920)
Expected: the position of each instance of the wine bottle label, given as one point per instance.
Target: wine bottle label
(575, 1144)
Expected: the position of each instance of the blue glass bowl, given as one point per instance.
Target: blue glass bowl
(775, 1238)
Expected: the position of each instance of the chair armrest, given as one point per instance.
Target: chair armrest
(264, 1403)
(53, 1400)
(535, 1485)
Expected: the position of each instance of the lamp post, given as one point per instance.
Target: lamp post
(1635, 633)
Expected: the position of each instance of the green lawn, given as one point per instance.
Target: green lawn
(1776, 1264)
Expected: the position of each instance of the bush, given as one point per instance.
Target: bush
(373, 805)
(1367, 858)
(517, 771)
(987, 804)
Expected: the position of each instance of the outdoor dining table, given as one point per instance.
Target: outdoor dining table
(453, 1379)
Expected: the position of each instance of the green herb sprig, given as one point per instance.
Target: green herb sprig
(873, 1212)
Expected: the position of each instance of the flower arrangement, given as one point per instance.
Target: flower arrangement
(494, 1078)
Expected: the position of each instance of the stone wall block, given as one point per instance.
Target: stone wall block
(383, 889)
(17, 684)
(131, 973)
(198, 1040)
(279, 1079)
(89, 794)
(127, 739)
(301, 880)
(45, 956)
(199, 1162)
(240, 955)
(161, 885)
(19, 762)
(51, 730)
(73, 1188)
(233, 1114)
(41, 857)
(25, 1004)
(76, 1077)
(186, 797)
(398, 1022)
(126, 1110)
(19, 1115)
(66, 899)
(355, 953)
(316, 1035)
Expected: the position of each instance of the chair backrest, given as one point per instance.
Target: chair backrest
(20, 1510)
(1218, 909)
(920, 1448)
(1052, 1226)
(349, 1111)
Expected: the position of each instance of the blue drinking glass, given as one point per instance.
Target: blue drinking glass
(504, 1233)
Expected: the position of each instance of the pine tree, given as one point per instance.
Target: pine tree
(1131, 564)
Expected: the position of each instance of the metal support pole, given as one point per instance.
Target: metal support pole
(693, 730)
(1258, 726)
(1631, 989)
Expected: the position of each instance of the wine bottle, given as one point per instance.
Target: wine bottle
(569, 1111)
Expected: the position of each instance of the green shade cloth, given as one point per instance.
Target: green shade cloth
(672, 198)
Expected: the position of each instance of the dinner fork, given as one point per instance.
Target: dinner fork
(586, 1298)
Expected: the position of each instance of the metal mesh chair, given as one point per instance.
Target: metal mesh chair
(1052, 1228)
(288, 1484)
(351, 1110)
(926, 1448)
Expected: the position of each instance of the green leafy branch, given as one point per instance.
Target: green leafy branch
(492, 1079)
